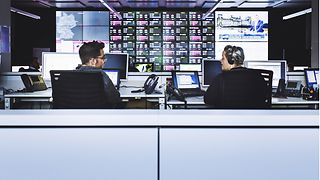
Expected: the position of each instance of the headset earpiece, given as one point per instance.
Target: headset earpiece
(229, 54)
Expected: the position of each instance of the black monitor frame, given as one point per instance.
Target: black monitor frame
(123, 70)
(204, 74)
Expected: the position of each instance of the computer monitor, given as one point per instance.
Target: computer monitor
(279, 68)
(186, 79)
(144, 67)
(210, 69)
(58, 61)
(312, 77)
(118, 61)
(114, 75)
(190, 67)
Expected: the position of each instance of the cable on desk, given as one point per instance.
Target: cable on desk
(124, 86)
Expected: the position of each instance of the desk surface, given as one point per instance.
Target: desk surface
(124, 93)
(286, 101)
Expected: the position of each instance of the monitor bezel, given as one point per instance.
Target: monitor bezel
(202, 70)
(127, 64)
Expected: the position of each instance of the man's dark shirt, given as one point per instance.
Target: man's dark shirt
(238, 88)
(113, 96)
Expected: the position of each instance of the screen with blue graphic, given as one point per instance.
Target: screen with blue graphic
(312, 77)
(187, 80)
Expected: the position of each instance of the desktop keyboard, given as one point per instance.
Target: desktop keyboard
(193, 93)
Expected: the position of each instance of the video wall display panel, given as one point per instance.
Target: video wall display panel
(5, 43)
(166, 39)
(247, 29)
(253, 51)
(75, 27)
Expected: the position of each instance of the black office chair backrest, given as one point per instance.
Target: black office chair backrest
(249, 89)
(268, 77)
(72, 89)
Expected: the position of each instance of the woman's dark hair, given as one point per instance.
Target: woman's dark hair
(90, 50)
(234, 54)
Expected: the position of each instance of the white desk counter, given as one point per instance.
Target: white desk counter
(159, 145)
(159, 118)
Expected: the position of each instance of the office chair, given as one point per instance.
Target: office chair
(77, 90)
(251, 89)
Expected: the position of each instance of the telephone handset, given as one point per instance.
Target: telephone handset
(175, 92)
(150, 84)
(33, 82)
(281, 90)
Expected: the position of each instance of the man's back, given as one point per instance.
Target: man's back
(239, 88)
(112, 94)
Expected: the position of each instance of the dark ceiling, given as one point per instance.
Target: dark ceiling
(297, 4)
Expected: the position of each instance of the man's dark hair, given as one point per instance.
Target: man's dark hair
(90, 50)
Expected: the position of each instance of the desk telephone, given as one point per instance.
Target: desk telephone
(291, 89)
(150, 84)
(175, 92)
(33, 82)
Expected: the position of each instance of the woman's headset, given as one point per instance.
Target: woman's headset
(234, 54)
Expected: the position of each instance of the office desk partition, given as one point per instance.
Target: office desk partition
(46, 96)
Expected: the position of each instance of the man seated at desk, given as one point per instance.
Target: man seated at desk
(93, 59)
(236, 87)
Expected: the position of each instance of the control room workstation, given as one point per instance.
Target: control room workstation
(162, 58)
(159, 90)
(154, 87)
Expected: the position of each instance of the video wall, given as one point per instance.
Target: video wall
(169, 40)
(165, 39)
(247, 29)
(75, 27)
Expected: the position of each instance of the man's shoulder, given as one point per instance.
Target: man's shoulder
(89, 68)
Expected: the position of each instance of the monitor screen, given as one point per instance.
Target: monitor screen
(253, 51)
(58, 61)
(144, 67)
(186, 80)
(210, 69)
(118, 61)
(241, 26)
(5, 39)
(247, 29)
(190, 67)
(279, 68)
(114, 76)
(312, 77)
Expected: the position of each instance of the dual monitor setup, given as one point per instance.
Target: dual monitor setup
(211, 68)
(116, 65)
